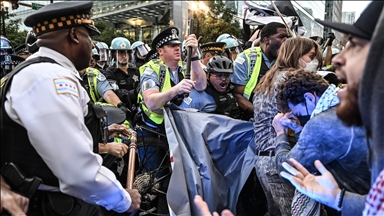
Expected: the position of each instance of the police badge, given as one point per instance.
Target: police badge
(174, 34)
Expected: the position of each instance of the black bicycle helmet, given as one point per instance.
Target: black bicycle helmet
(219, 64)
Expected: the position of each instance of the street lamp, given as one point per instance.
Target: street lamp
(4, 13)
(198, 7)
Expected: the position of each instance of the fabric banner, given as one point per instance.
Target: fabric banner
(258, 15)
(211, 155)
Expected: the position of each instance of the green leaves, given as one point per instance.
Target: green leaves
(13, 33)
(218, 20)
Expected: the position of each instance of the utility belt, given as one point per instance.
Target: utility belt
(51, 203)
(44, 203)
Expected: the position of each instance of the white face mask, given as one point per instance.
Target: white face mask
(312, 65)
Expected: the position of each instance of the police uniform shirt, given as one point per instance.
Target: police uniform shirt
(199, 100)
(150, 74)
(124, 80)
(240, 67)
(49, 102)
(103, 84)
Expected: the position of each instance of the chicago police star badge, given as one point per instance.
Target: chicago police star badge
(174, 34)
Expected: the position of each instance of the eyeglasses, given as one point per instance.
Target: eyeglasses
(222, 75)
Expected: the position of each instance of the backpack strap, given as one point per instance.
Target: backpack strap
(6, 81)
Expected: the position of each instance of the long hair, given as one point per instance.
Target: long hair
(288, 57)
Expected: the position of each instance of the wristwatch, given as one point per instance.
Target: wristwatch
(195, 58)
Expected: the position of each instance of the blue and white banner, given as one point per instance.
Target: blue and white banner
(258, 15)
(211, 155)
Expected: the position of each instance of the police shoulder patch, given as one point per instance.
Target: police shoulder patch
(240, 60)
(148, 71)
(66, 86)
(101, 77)
(188, 100)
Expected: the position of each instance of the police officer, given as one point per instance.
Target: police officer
(217, 97)
(152, 54)
(140, 51)
(232, 48)
(30, 42)
(29, 47)
(252, 64)
(98, 87)
(103, 50)
(95, 58)
(222, 37)
(163, 80)
(211, 49)
(123, 73)
(8, 59)
(42, 120)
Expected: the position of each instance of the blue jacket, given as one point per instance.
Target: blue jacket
(342, 149)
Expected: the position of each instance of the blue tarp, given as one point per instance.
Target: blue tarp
(212, 155)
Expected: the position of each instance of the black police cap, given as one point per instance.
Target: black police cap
(62, 15)
(152, 54)
(216, 47)
(168, 36)
(21, 49)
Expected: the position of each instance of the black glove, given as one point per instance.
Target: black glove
(331, 37)
(127, 111)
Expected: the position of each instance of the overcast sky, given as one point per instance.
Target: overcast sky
(357, 6)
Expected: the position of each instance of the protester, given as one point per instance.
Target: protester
(42, 119)
(350, 63)
(204, 210)
(294, 53)
(342, 149)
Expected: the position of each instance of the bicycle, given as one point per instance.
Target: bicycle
(152, 169)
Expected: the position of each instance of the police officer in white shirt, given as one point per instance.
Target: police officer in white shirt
(43, 107)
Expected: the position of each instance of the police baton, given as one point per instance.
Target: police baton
(131, 159)
(189, 56)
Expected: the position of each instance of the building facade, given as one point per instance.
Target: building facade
(348, 17)
(333, 13)
(143, 20)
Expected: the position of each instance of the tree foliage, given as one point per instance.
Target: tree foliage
(13, 32)
(108, 33)
(218, 20)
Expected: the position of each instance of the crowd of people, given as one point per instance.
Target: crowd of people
(317, 127)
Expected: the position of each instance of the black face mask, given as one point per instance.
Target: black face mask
(303, 119)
